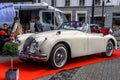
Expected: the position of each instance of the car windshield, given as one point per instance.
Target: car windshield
(72, 25)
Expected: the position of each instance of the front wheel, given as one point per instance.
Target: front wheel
(58, 56)
(109, 49)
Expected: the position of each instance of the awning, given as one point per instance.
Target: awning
(37, 6)
(16, 1)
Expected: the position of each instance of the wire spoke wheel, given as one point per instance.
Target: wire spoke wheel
(58, 56)
(109, 49)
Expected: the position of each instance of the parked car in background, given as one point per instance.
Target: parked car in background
(57, 46)
(96, 28)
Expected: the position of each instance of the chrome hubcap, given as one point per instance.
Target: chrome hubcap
(60, 56)
(109, 49)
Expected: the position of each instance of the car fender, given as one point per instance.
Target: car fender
(49, 44)
(110, 37)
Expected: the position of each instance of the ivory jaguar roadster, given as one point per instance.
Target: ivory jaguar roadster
(57, 46)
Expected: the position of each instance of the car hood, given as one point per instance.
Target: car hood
(54, 33)
(40, 37)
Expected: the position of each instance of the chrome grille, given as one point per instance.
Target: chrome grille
(27, 44)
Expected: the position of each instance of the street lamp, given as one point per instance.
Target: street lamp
(103, 5)
(54, 13)
(54, 5)
(92, 18)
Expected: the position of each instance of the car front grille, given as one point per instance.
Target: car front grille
(27, 44)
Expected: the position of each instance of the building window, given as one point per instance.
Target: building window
(116, 21)
(34, 1)
(97, 2)
(67, 2)
(53, 2)
(99, 20)
(39, 1)
(81, 17)
(48, 17)
(68, 16)
(81, 2)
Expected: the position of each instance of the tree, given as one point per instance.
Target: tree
(10, 48)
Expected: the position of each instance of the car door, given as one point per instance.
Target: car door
(78, 44)
(95, 43)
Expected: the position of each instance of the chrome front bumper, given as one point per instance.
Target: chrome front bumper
(41, 56)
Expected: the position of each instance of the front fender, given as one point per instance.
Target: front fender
(22, 39)
(47, 45)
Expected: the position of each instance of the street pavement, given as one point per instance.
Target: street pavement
(105, 70)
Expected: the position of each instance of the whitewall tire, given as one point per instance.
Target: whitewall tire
(109, 49)
(58, 56)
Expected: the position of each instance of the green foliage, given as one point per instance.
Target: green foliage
(10, 48)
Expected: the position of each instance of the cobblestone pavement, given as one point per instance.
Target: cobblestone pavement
(106, 70)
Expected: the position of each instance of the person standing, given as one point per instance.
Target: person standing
(16, 27)
(4, 35)
(38, 26)
(6, 29)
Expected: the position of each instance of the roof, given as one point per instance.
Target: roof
(31, 6)
(16, 0)
(35, 6)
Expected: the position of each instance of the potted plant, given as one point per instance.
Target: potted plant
(11, 49)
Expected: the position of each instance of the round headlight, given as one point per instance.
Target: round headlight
(34, 46)
(17, 40)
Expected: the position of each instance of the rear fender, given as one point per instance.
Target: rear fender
(110, 37)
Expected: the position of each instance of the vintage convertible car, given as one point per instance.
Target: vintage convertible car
(57, 46)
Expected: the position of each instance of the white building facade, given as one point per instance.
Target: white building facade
(81, 10)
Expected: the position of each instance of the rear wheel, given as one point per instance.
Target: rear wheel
(58, 56)
(109, 49)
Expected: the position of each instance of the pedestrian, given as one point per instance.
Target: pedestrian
(6, 28)
(38, 26)
(16, 27)
(4, 36)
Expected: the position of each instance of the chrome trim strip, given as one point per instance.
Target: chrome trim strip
(41, 56)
